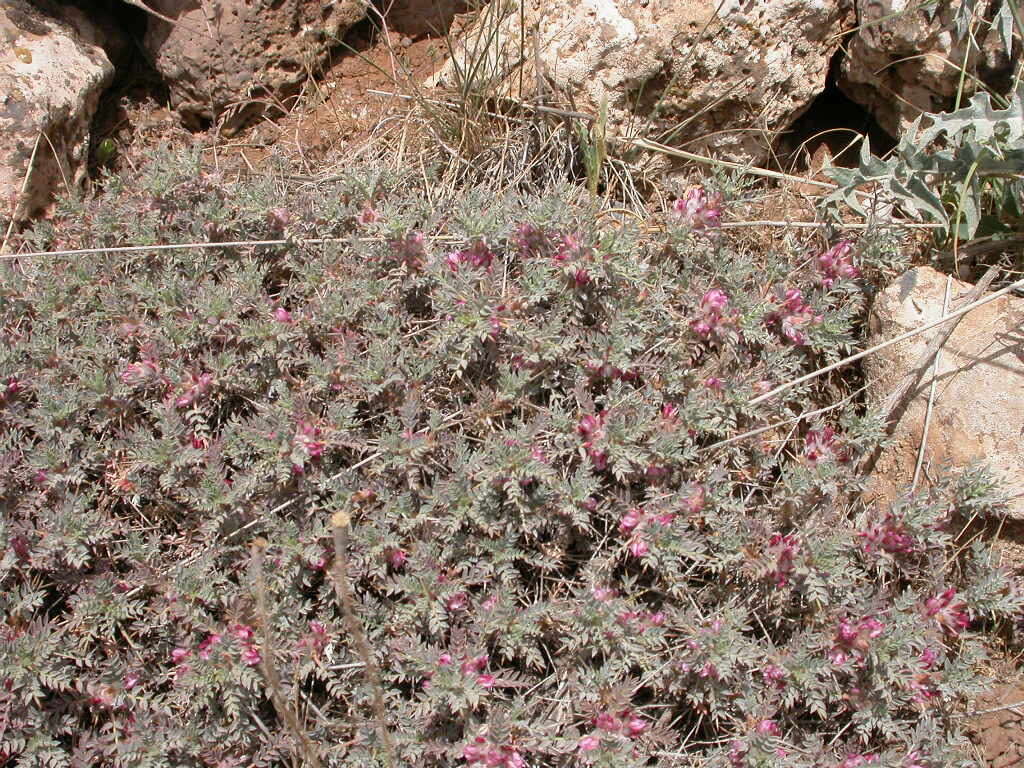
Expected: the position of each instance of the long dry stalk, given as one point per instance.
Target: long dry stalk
(343, 588)
(268, 664)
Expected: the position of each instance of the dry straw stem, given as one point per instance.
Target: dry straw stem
(931, 390)
(267, 658)
(895, 340)
(339, 524)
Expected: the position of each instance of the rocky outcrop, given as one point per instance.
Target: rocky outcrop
(52, 72)
(978, 411)
(905, 57)
(231, 59)
(720, 77)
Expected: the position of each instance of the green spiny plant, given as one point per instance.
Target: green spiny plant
(557, 555)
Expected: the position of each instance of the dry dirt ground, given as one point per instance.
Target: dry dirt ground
(328, 121)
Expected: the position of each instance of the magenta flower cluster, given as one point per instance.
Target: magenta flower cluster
(574, 254)
(624, 723)
(478, 255)
(822, 445)
(469, 666)
(591, 427)
(853, 639)
(482, 751)
(711, 313)
(950, 614)
(793, 316)
(783, 550)
(243, 634)
(890, 535)
(196, 389)
(699, 210)
(837, 263)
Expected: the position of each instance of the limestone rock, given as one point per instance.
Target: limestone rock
(236, 57)
(51, 78)
(730, 78)
(905, 58)
(978, 411)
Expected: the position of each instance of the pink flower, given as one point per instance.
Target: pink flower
(477, 255)
(207, 644)
(396, 558)
(714, 383)
(307, 438)
(410, 250)
(714, 301)
(178, 655)
(695, 501)
(769, 728)
(475, 664)
(709, 670)
(638, 547)
(634, 726)
(531, 240)
(793, 317)
(784, 549)
(251, 655)
(631, 520)
(856, 638)
(606, 721)
(603, 594)
(698, 210)
(711, 311)
(368, 215)
(242, 631)
(197, 388)
(888, 536)
(457, 602)
(774, 676)
(282, 315)
(656, 619)
(487, 682)
(571, 247)
(130, 681)
(820, 445)
(928, 658)
(141, 372)
(836, 263)
(951, 616)
(737, 753)
(444, 660)
(278, 218)
(591, 425)
(589, 743)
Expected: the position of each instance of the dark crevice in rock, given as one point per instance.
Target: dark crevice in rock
(137, 85)
(833, 120)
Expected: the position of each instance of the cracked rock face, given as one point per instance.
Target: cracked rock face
(905, 59)
(52, 73)
(728, 78)
(978, 410)
(230, 59)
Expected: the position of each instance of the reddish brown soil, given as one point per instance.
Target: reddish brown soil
(1000, 733)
